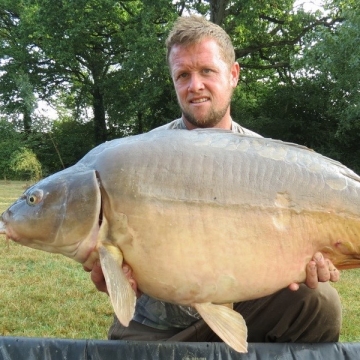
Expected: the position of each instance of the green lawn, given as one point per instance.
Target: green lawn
(349, 290)
(47, 295)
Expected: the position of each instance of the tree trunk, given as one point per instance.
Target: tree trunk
(99, 116)
(217, 11)
(27, 121)
(139, 123)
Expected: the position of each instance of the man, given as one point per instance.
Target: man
(204, 72)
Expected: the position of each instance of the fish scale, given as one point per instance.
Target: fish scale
(203, 218)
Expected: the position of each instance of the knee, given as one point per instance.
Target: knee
(324, 300)
(322, 308)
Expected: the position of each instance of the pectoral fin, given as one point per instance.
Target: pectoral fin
(228, 324)
(122, 296)
(229, 305)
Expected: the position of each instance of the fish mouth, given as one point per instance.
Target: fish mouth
(3, 230)
(2, 226)
(6, 230)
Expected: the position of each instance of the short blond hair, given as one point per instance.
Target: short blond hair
(188, 30)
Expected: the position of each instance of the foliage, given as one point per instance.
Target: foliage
(83, 47)
(25, 164)
(10, 141)
(17, 160)
(332, 62)
(142, 95)
(66, 142)
(299, 79)
(71, 140)
(42, 153)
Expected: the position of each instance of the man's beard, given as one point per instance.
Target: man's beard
(213, 118)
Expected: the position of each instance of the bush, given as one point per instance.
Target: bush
(26, 165)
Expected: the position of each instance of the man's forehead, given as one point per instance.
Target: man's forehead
(206, 50)
(208, 43)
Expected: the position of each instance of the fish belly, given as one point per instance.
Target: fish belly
(185, 253)
(219, 217)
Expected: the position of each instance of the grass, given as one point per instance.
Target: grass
(48, 295)
(349, 290)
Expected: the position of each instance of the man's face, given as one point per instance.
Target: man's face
(203, 83)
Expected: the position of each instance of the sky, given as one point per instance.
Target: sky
(310, 5)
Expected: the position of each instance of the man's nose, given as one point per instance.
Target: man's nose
(195, 82)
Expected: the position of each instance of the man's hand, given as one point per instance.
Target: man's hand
(318, 270)
(97, 277)
(128, 273)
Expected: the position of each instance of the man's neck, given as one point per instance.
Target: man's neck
(225, 123)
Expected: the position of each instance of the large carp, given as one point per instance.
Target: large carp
(203, 218)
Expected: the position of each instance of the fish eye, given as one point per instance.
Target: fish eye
(34, 197)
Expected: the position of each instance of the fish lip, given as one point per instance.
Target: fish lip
(2, 227)
(4, 230)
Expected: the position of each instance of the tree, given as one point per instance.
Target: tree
(85, 41)
(143, 96)
(17, 60)
(80, 45)
(332, 59)
(316, 103)
(26, 165)
(109, 55)
(10, 142)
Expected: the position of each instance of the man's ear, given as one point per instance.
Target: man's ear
(235, 73)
